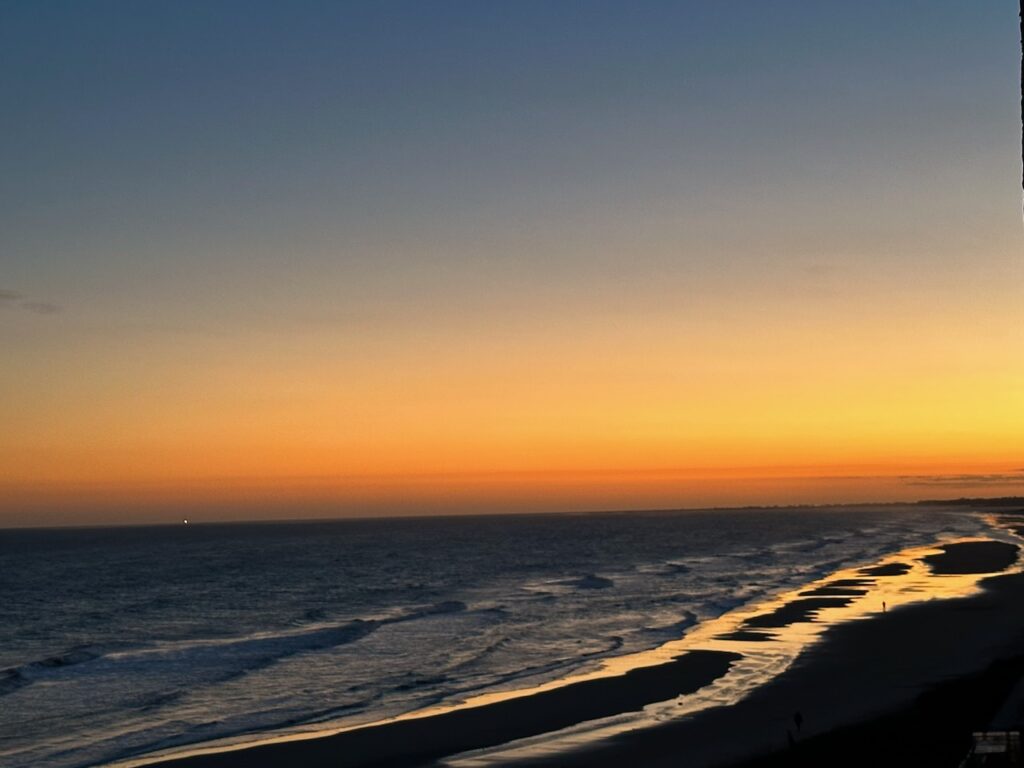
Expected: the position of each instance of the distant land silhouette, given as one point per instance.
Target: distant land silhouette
(1001, 501)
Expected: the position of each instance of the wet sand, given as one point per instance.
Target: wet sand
(860, 671)
(419, 740)
(905, 688)
(973, 557)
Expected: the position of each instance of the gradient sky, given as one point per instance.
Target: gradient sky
(266, 259)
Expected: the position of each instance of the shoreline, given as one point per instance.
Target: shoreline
(864, 682)
(450, 733)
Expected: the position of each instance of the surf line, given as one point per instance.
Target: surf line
(716, 663)
(771, 634)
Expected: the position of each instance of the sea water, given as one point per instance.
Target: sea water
(116, 642)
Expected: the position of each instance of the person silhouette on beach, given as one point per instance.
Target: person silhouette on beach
(883, 606)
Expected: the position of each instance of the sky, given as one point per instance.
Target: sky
(265, 260)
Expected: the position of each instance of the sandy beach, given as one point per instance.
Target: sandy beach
(953, 660)
(871, 661)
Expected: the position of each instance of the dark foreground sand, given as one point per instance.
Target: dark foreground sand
(918, 680)
(416, 741)
(914, 682)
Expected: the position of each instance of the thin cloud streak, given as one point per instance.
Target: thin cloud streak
(40, 307)
(9, 298)
(979, 480)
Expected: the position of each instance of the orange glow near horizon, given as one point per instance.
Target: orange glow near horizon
(606, 419)
(536, 271)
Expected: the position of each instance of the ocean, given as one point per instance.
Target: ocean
(115, 642)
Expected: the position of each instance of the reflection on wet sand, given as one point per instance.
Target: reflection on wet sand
(771, 635)
(797, 619)
(717, 663)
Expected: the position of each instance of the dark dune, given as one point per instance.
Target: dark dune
(804, 609)
(851, 583)
(973, 557)
(416, 741)
(832, 590)
(747, 636)
(889, 569)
